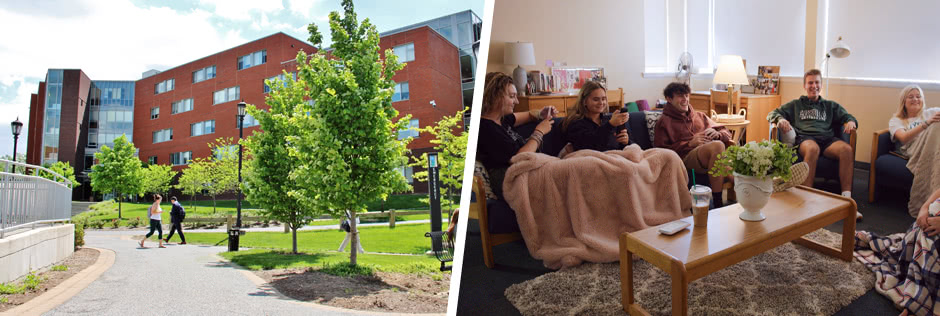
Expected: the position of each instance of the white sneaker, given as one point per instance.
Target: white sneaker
(858, 215)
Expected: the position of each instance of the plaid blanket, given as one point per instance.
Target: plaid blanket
(906, 267)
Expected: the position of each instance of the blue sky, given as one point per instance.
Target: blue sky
(120, 39)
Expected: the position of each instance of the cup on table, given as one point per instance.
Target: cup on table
(701, 200)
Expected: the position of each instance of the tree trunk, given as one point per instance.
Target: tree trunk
(293, 228)
(213, 204)
(354, 250)
(119, 206)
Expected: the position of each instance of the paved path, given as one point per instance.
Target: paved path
(166, 228)
(177, 280)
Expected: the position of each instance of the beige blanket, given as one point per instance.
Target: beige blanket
(925, 165)
(574, 209)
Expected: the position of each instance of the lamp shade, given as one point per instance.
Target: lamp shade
(731, 71)
(17, 126)
(519, 53)
(241, 108)
(840, 50)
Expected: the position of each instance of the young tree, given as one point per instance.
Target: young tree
(223, 177)
(118, 170)
(195, 178)
(157, 179)
(347, 139)
(63, 169)
(451, 144)
(267, 186)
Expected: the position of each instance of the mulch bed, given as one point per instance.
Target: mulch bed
(78, 261)
(383, 292)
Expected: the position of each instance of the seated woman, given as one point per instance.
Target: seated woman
(905, 263)
(498, 140)
(591, 126)
(913, 130)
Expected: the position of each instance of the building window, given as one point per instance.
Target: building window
(405, 52)
(93, 139)
(152, 160)
(163, 135)
(411, 131)
(447, 32)
(163, 86)
(89, 162)
(181, 158)
(226, 95)
(154, 113)
(202, 128)
(204, 74)
(182, 106)
(249, 121)
(401, 92)
(225, 151)
(408, 173)
(252, 59)
(280, 77)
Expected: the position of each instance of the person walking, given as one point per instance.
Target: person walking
(177, 214)
(154, 213)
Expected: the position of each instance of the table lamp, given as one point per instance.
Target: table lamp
(730, 72)
(519, 53)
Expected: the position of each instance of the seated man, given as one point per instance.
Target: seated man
(696, 138)
(812, 117)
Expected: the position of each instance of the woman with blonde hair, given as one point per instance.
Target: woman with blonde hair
(591, 126)
(913, 130)
(498, 140)
(153, 213)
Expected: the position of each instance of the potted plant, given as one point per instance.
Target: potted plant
(754, 167)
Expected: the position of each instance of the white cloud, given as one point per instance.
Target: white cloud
(303, 8)
(241, 9)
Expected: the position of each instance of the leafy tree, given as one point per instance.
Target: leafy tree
(118, 170)
(451, 145)
(224, 165)
(195, 179)
(266, 185)
(347, 141)
(157, 179)
(63, 169)
(20, 157)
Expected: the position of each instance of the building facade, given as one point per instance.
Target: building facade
(172, 115)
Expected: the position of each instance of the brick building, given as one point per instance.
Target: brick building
(171, 115)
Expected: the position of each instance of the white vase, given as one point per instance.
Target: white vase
(753, 194)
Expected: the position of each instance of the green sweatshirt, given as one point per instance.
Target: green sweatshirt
(812, 118)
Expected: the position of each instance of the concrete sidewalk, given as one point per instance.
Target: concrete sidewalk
(166, 229)
(178, 280)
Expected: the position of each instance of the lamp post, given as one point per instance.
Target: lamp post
(17, 128)
(234, 234)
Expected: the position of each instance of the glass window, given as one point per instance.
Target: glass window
(249, 121)
(183, 106)
(222, 152)
(152, 160)
(154, 113)
(225, 95)
(202, 128)
(401, 92)
(447, 33)
(463, 34)
(405, 52)
(162, 135)
(181, 158)
(411, 131)
(253, 59)
(163, 86)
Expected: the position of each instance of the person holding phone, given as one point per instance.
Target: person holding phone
(591, 126)
(498, 139)
(692, 135)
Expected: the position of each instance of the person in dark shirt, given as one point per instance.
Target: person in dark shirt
(813, 118)
(591, 126)
(177, 214)
(498, 141)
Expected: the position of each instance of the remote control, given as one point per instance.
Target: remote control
(672, 227)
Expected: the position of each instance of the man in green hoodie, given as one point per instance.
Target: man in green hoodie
(813, 118)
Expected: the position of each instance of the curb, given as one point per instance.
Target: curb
(68, 288)
(267, 288)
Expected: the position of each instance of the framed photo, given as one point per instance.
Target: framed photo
(571, 78)
(768, 80)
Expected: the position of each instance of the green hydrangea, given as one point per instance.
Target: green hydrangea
(769, 158)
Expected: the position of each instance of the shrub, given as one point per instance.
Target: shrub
(344, 269)
(98, 224)
(115, 223)
(32, 281)
(80, 234)
(60, 267)
(134, 222)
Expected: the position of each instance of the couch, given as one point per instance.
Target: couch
(888, 170)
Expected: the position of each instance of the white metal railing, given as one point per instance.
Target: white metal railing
(28, 200)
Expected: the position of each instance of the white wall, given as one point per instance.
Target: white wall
(34, 249)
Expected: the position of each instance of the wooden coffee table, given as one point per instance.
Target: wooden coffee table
(698, 251)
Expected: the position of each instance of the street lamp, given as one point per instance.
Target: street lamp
(17, 128)
(235, 232)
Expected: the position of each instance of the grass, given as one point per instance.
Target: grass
(332, 262)
(60, 267)
(403, 239)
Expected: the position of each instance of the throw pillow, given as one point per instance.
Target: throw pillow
(480, 171)
(651, 118)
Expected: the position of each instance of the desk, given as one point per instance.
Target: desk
(757, 105)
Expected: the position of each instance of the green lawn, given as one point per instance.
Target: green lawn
(263, 259)
(403, 239)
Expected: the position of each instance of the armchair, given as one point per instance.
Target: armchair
(497, 231)
(888, 168)
(826, 167)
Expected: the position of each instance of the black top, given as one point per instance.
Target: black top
(177, 213)
(585, 134)
(497, 144)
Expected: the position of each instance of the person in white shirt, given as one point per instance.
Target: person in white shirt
(914, 130)
(155, 225)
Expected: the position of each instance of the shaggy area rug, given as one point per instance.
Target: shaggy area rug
(787, 280)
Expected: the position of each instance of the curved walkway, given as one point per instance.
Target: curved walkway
(178, 280)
